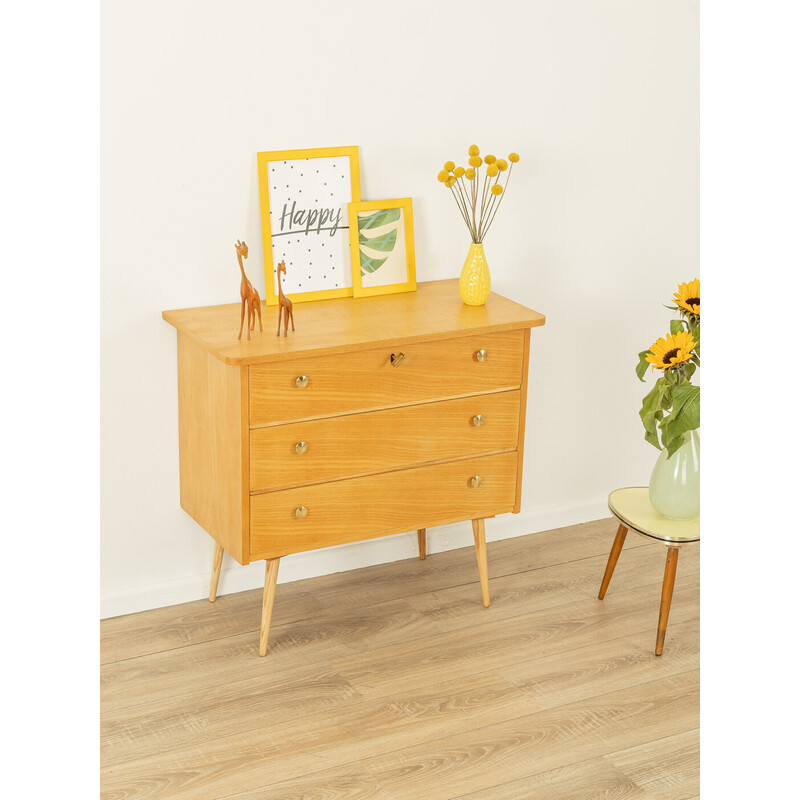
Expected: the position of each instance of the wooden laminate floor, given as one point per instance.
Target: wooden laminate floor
(395, 683)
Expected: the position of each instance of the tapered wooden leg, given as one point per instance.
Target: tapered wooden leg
(479, 532)
(666, 597)
(216, 565)
(270, 582)
(616, 549)
(421, 541)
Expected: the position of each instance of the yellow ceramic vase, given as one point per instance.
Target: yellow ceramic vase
(475, 282)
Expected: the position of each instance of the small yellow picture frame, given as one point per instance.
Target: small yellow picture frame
(382, 247)
(304, 195)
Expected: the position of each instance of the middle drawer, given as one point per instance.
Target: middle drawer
(358, 444)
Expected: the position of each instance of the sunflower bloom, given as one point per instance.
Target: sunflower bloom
(672, 351)
(688, 297)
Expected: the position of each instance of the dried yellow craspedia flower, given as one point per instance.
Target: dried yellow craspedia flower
(497, 189)
(449, 181)
(449, 166)
(514, 157)
(442, 176)
(475, 161)
(492, 170)
(458, 172)
(469, 174)
(502, 164)
(473, 150)
(490, 159)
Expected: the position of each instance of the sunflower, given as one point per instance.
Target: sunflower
(671, 352)
(688, 297)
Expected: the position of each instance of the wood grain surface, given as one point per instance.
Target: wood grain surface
(360, 444)
(377, 505)
(367, 380)
(387, 683)
(434, 311)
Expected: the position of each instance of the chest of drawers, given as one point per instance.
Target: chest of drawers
(377, 416)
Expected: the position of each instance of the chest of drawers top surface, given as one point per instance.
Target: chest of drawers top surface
(434, 311)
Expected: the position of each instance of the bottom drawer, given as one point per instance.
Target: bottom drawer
(377, 505)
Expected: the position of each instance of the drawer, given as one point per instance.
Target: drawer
(378, 505)
(368, 380)
(376, 441)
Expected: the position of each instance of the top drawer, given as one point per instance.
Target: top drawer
(368, 379)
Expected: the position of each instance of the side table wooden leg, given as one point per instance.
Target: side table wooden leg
(666, 597)
(270, 582)
(216, 565)
(613, 556)
(479, 532)
(421, 541)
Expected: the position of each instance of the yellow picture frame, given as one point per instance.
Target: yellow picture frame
(338, 252)
(366, 252)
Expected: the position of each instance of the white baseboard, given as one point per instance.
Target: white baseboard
(236, 578)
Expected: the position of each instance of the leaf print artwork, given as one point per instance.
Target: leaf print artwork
(384, 242)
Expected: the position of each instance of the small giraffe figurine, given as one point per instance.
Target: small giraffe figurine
(285, 312)
(250, 299)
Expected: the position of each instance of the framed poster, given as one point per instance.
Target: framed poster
(382, 247)
(304, 197)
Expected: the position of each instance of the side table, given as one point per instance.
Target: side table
(631, 506)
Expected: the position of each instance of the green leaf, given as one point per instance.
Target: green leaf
(378, 218)
(676, 326)
(691, 366)
(368, 264)
(384, 243)
(655, 402)
(643, 364)
(685, 416)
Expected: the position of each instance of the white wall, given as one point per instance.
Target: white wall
(599, 97)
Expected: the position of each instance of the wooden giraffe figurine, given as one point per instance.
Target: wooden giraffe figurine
(285, 312)
(250, 299)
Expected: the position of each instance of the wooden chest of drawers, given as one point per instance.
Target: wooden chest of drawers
(377, 416)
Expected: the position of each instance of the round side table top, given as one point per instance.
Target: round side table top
(632, 507)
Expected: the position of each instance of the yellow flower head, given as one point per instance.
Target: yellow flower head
(492, 170)
(671, 352)
(469, 174)
(459, 171)
(497, 189)
(449, 181)
(442, 176)
(513, 157)
(688, 297)
(502, 164)
(475, 161)
(473, 150)
(490, 159)
(449, 166)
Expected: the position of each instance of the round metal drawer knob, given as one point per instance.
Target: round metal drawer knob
(476, 481)
(301, 513)
(301, 381)
(301, 448)
(478, 420)
(482, 355)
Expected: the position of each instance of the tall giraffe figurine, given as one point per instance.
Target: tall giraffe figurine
(285, 312)
(250, 299)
